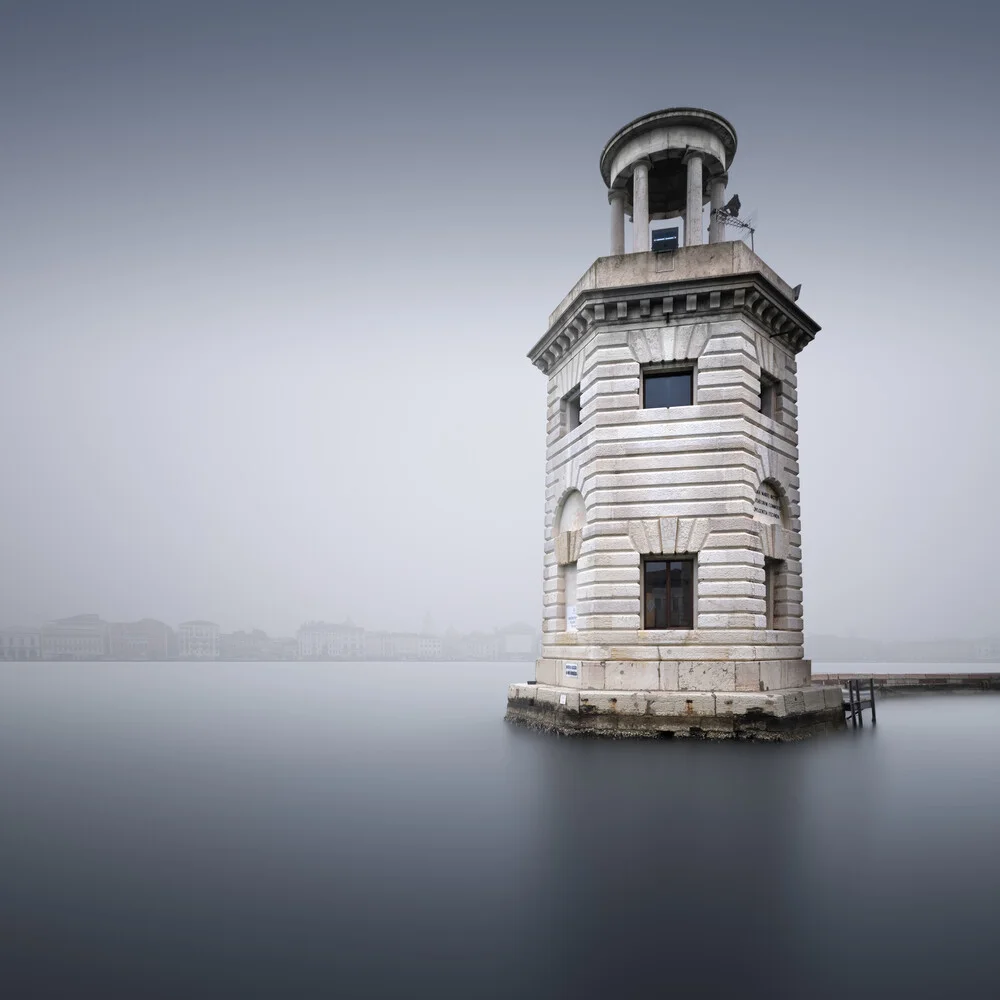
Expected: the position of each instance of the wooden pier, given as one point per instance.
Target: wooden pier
(859, 689)
(910, 683)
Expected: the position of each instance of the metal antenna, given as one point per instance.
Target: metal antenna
(729, 215)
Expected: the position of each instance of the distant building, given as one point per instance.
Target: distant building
(323, 641)
(473, 646)
(252, 645)
(20, 644)
(518, 642)
(403, 646)
(430, 647)
(379, 646)
(285, 647)
(198, 640)
(81, 637)
(148, 639)
(415, 646)
(257, 645)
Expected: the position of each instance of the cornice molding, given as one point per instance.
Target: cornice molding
(750, 296)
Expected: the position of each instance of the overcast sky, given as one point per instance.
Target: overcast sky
(269, 272)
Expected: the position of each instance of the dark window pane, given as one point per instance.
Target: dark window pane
(769, 390)
(681, 610)
(572, 403)
(655, 597)
(668, 594)
(669, 389)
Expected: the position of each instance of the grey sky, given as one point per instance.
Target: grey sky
(269, 273)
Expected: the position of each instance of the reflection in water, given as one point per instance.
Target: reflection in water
(308, 829)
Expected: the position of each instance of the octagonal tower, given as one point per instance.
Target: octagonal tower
(672, 565)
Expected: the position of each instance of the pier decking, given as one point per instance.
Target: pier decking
(909, 683)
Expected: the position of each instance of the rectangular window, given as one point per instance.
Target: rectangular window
(668, 593)
(770, 396)
(668, 388)
(571, 409)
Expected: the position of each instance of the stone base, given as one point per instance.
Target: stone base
(788, 714)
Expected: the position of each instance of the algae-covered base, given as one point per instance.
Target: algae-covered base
(792, 714)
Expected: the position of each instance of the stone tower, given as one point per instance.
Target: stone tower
(672, 568)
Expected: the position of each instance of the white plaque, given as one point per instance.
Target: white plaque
(571, 669)
(571, 618)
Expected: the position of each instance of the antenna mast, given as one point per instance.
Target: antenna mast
(729, 215)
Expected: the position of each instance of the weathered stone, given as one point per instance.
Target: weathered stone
(689, 705)
(714, 675)
(740, 703)
(669, 675)
(814, 699)
(834, 697)
(546, 671)
(614, 702)
(641, 675)
(795, 673)
(557, 696)
(771, 675)
(748, 676)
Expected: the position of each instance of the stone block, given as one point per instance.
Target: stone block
(748, 676)
(733, 621)
(740, 703)
(545, 671)
(706, 675)
(625, 653)
(681, 705)
(668, 535)
(795, 673)
(834, 697)
(814, 699)
(574, 542)
(795, 703)
(643, 675)
(545, 695)
(771, 678)
(592, 675)
(562, 548)
(613, 703)
(668, 676)
(521, 692)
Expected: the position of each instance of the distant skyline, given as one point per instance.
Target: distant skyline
(269, 274)
(428, 626)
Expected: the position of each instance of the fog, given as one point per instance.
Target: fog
(269, 273)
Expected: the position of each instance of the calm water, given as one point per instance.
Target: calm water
(319, 830)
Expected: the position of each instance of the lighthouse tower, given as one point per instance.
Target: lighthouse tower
(672, 554)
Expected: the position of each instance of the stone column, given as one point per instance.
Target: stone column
(692, 220)
(616, 198)
(717, 189)
(640, 206)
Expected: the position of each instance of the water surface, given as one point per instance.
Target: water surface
(376, 830)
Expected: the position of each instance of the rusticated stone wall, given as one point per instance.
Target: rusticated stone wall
(682, 480)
